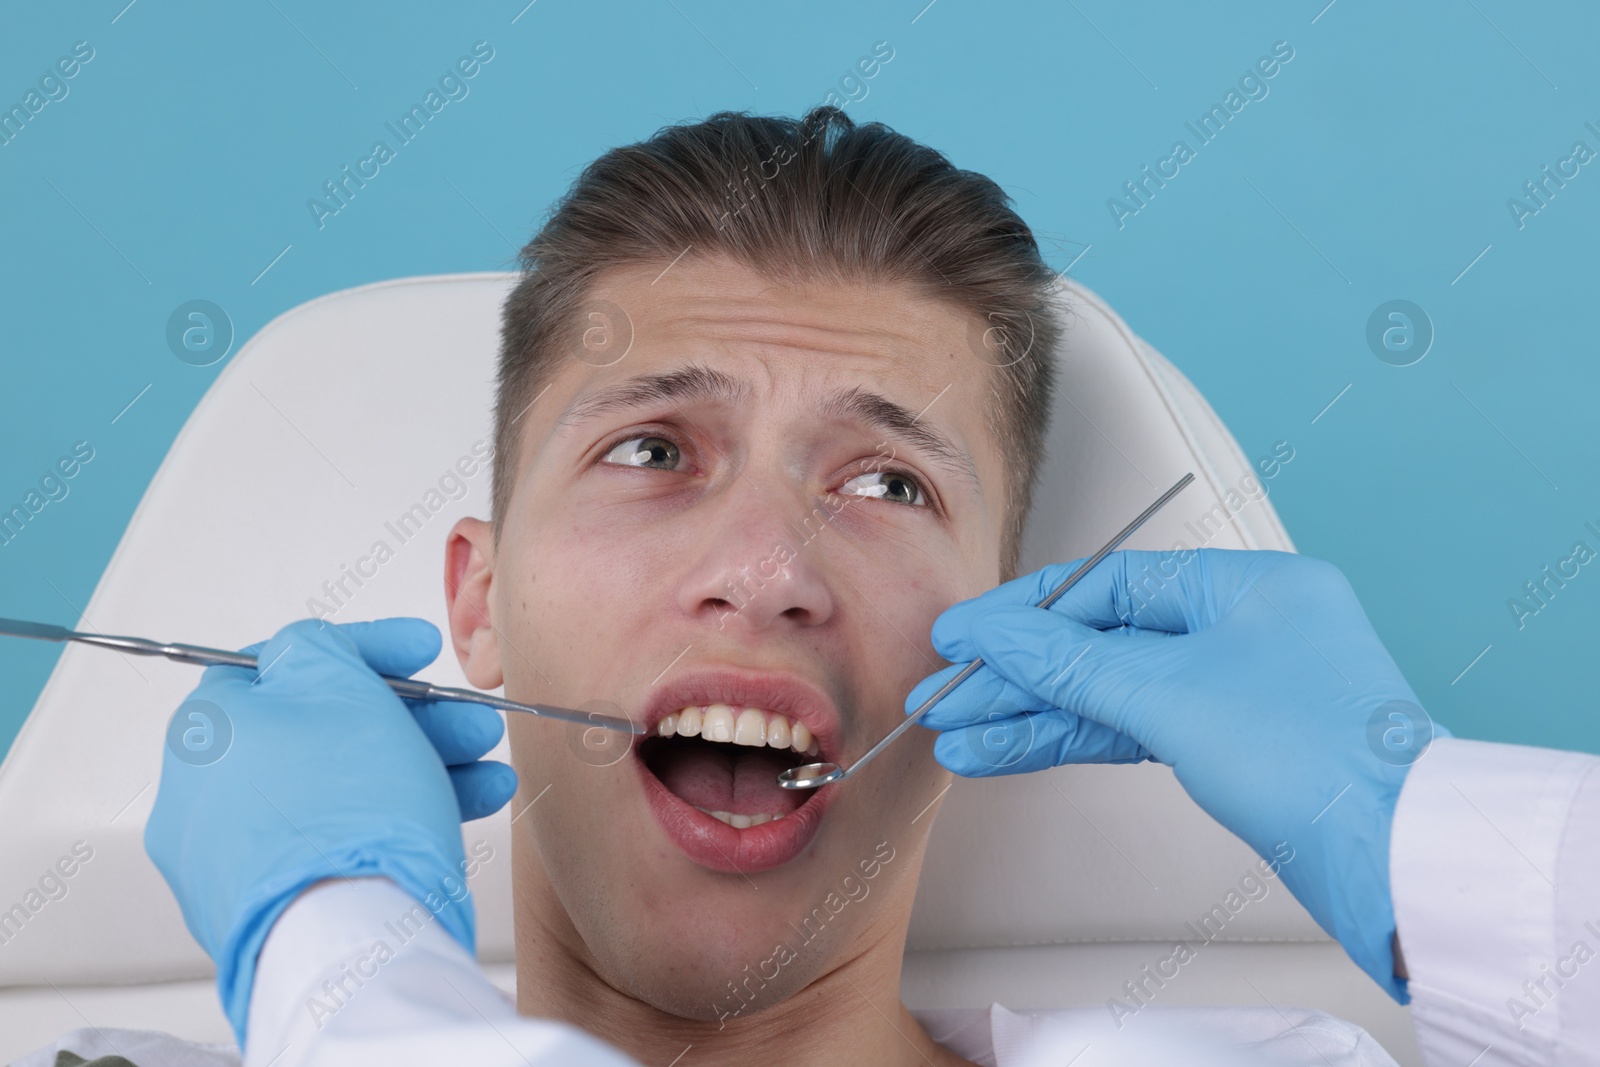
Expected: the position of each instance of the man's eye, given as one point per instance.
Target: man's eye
(655, 452)
(887, 485)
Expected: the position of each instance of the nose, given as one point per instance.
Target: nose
(761, 562)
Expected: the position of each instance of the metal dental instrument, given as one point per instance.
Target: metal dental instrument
(815, 775)
(409, 688)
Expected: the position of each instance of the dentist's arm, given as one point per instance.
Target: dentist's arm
(1212, 661)
(308, 822)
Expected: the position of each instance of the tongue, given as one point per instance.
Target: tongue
(733, 778)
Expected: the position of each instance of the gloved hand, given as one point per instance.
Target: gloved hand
(1254, 675)
(312, 768)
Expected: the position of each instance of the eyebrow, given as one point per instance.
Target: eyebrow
(697, 382)
(691, 383)
(898, 422)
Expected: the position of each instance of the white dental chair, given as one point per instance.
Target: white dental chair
(339, 416)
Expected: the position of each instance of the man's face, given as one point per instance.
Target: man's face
(737, 496)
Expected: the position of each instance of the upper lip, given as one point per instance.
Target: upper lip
(776, 691)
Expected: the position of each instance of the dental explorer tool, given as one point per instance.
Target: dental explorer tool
(408, 688)
(815, 775)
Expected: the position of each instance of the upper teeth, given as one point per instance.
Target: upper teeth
(746, 726)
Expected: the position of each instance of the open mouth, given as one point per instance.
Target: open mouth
(719, 737)
(724, 761)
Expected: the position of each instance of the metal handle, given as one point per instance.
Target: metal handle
(200, 656)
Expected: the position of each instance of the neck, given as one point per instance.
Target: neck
(850, 1014)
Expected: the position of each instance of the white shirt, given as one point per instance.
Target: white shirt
(1495, 874)
(1494, 864)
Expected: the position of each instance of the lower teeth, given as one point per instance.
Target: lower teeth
(740, 822)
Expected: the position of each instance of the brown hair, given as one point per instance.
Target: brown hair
(815, 198)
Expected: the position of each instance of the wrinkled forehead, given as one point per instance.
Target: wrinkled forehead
(721, 305)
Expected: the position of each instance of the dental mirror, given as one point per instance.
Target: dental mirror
(816, 775)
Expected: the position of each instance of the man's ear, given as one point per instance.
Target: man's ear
(468, 585)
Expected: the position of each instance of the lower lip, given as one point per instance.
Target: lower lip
(712, 843)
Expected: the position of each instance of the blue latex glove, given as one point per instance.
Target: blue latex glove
(310, 769)
(1255, 675)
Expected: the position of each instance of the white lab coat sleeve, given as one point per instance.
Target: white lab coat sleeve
(1495, 872)
(357, 972)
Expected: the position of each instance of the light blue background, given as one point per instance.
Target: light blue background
(1378, 167)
